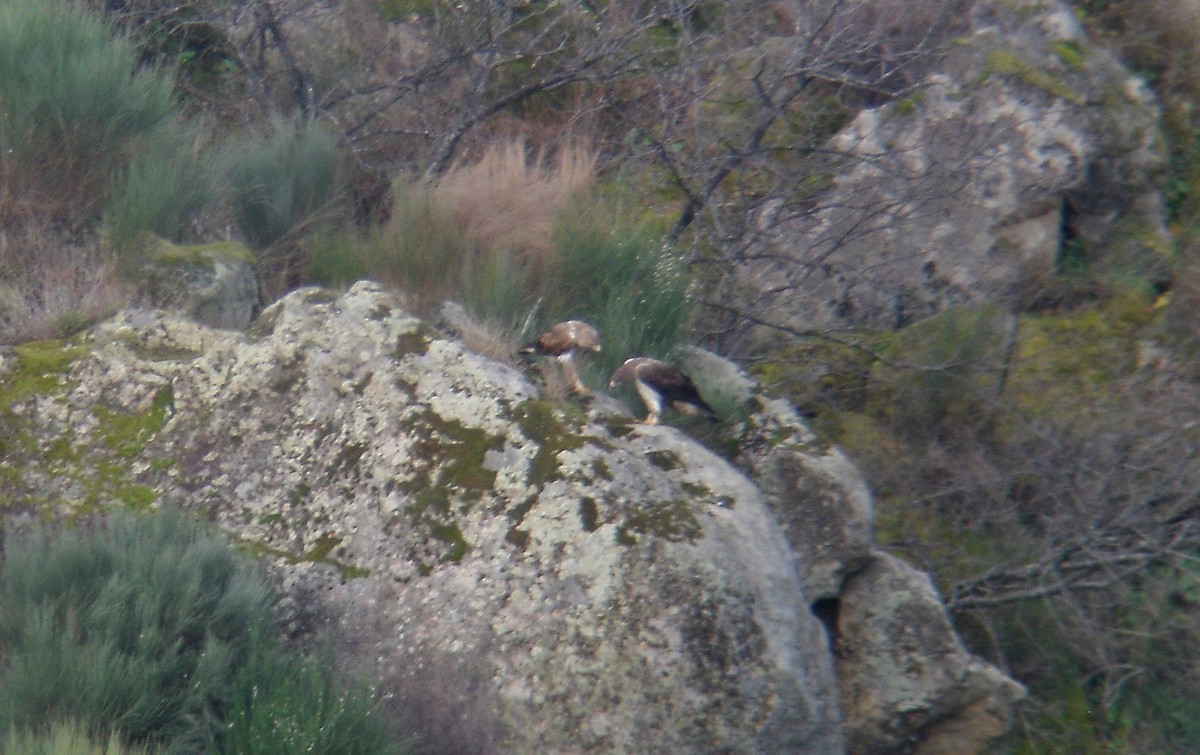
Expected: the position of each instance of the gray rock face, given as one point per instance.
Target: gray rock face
(213, 284)
(1031, 144)
(908, 685)
(517, 576)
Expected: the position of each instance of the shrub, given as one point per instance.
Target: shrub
(522, 246)
(138, 626)
(79, 115)
(282, 180)
(622, 279)
(154, 629)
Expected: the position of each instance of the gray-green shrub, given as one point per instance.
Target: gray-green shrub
(80, 117)
(281, 180)
(287, 705)
(137, 625)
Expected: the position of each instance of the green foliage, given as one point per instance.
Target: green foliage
(285, 705)
(421, 251)
(138, 626)
(940, 373)
(619, 278)
(82, 124)
(282, 180)
(64, 739)
(159, 190)
(154, 629)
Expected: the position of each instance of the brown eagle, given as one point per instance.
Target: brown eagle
(659, 384)
(563, 342)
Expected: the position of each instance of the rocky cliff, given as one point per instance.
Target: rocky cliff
(1030, 148)
(515, 575)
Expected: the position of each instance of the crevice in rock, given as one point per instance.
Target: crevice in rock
(826, 611)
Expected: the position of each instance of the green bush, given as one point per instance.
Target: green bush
(138, 626)
(153, 628)
(159, 190)
(80, 119)
(282, 180)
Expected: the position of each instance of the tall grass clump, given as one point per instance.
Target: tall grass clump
(65, 738)
(507, 201)
(287, 705)
(482, 234)
(137, 627)
(623, 279)
(280, 181)
(78, 115)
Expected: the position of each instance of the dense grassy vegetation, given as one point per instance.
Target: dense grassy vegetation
(152, 629)
(523, 243)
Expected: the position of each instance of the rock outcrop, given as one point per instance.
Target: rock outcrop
(1030, 149)
(907, 683)
(517, 575)
(536, 577)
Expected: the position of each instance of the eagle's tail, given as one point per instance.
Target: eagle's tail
(696, 407)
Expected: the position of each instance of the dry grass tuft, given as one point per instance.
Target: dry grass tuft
(49, 287)
(507, 201)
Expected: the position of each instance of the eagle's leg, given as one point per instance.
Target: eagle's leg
(577, 386)
(652, 400)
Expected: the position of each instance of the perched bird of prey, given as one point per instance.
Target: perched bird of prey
(658, 383)
(563, 342)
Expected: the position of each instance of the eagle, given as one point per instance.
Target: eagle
(563, 341)
(659, 384)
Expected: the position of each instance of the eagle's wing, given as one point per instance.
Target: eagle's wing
(677, 389)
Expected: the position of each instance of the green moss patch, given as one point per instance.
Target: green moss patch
(589, 514)
(664, 460)
(541, 422)
(89, 472)
(320, 555)
(669, 520)
(1067, 364)
(1006, 63)
(125, 434)
(413, 342)
(41, 369)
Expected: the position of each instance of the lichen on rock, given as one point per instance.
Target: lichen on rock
(575, 581)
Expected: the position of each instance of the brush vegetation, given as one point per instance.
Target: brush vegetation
(152, 628)
(523, 242)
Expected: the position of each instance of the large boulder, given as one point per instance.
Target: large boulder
(514, 575)
(1029, 150)
(908, 685)
(907, 682)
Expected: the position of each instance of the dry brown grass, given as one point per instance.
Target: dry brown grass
(50, 287)
(507, 200)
